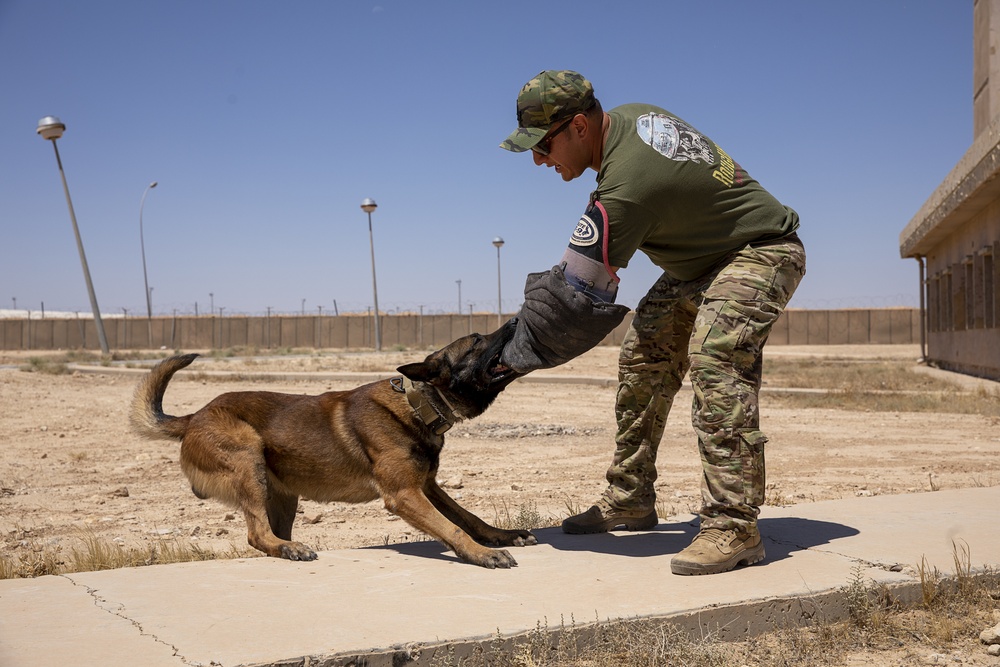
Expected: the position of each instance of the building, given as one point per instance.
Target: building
(955, 237)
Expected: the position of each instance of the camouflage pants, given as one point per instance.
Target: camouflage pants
(715, 328)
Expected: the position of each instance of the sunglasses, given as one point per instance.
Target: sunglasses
(544, 146)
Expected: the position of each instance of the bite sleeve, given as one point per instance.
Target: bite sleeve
(557, 323)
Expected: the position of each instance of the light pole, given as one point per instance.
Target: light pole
(368, 205)
(498, 243)
(52, 128)
(459, 296)
(145, 279)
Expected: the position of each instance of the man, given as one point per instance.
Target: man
(731, 260)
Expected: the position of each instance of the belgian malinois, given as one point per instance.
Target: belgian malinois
(260, 451)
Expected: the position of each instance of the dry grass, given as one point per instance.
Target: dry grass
(220, 378)
(57, 363)
(843, 374)
(601, 644)
(877, 386)
(527, 517)
(46, 365)
(91, 553)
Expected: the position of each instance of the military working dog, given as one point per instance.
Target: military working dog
(260, 451)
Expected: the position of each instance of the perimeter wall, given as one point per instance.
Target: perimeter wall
(795, 327)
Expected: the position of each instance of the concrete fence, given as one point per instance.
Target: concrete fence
(206, 332)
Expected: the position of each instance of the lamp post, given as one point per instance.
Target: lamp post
(368, 205)
(51, 128)
(145, 279)
(459, 296)
(498, 243)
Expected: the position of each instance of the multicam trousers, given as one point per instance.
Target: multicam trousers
(715, 327)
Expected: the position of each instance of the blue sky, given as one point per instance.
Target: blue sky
(266, 123)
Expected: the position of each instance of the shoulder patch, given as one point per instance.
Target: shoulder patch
(590, 238)
(586, 232)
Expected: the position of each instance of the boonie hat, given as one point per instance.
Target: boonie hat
(550, 97)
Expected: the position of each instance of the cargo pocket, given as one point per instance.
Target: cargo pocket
(720, 327)
(752, 456)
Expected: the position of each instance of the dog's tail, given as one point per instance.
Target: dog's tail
(146, 412)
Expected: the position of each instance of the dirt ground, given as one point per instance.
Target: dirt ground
(68, 461)
(69, 464)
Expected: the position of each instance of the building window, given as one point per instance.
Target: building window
(969, 292)
(978, 289)
(933, 288)
(989, 289)
(947, 302)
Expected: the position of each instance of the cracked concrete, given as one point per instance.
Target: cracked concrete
(386, 601)
(118, 609)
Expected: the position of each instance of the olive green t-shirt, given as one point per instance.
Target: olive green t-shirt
(672, 193)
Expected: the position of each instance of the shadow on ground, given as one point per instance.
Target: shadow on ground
(782, 536)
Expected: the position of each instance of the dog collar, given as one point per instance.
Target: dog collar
(426, 412)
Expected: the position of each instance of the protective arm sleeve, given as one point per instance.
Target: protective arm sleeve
(557, 323)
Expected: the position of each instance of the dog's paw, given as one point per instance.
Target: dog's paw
(496, 558)
(513, 538)
(297, 551)
(524, 539)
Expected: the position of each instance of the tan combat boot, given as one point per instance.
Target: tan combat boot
(602, 517)
(715, 550)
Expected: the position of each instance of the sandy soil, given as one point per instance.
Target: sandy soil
(69, 464)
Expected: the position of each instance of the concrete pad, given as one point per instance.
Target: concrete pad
(908, 529)
(358, 602)
(54, 621)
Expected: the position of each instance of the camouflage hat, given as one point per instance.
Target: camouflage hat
(550, 97)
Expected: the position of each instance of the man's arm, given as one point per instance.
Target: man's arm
(570, 308)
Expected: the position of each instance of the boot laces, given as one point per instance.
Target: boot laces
(716, 536)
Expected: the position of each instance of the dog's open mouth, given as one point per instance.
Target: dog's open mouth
(498, 372)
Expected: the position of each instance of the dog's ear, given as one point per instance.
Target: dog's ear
(424, 371)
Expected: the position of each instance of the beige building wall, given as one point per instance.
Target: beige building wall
(956, 234)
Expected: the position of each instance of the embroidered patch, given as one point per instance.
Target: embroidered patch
(586, 233)
(673, 138)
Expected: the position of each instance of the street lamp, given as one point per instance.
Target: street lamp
(145, 280)
(368, 205)
(51, 128)
(459, 296)
(498, 243)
